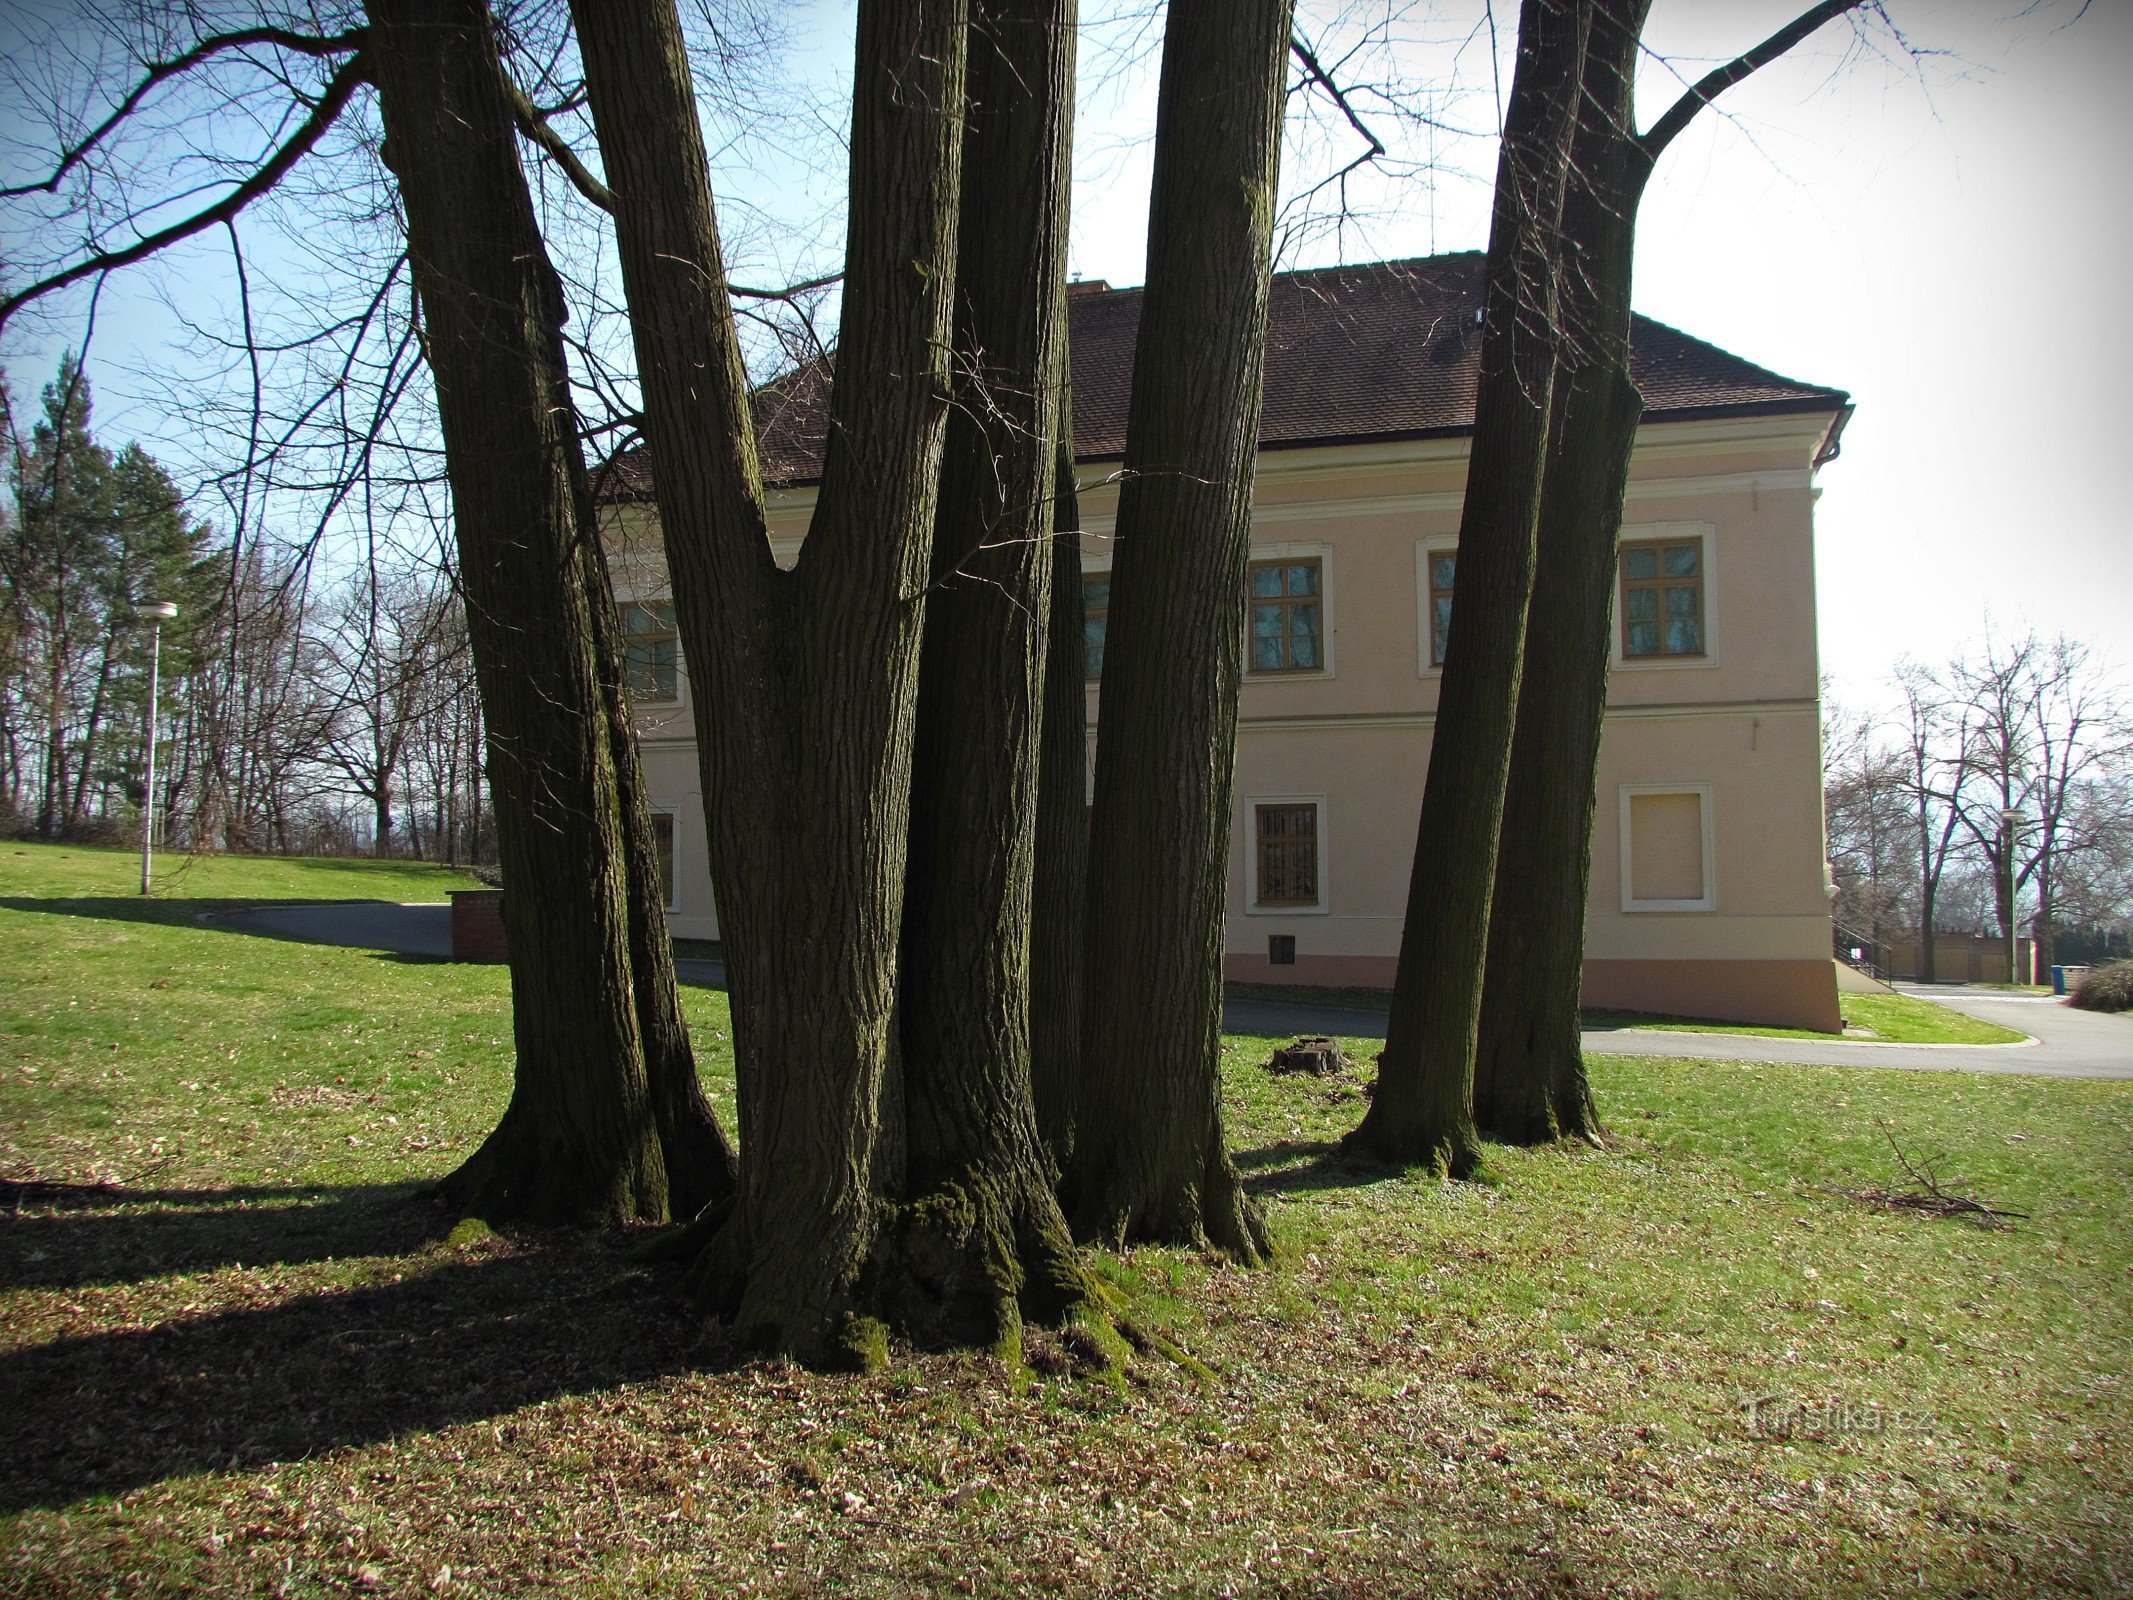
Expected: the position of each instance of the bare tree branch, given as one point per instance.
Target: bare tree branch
(339, 90)
(163, 71)
(1716, 82)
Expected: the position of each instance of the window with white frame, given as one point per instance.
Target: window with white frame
(651, 651)
(1666, 847)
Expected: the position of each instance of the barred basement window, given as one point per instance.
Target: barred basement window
(651, 651)
(1288, 855)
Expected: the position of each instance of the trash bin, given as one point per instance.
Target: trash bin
(2066, 980)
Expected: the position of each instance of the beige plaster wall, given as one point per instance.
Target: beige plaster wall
(1739, 725)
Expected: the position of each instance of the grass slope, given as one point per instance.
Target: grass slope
(255, 1366)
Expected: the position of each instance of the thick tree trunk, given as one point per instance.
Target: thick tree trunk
(806, 680)
(1422, 1113)
(579, 1140)
(980, 1239)
(701, 1169)
(1530, 1084)
(1149, 1159)
(1058, 939)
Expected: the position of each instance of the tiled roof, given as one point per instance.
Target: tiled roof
(1385, 350)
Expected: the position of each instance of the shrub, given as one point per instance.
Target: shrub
(2107, 988)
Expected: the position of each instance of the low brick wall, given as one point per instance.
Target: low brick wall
(478, 925)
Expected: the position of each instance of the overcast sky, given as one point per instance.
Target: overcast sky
(1945, 239)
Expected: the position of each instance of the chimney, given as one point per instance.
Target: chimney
(1082, 286)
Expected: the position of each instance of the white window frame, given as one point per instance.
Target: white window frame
(681, 662)
(1626, 866)
(1287, 550)
(1440, 545)
(1704, 533)
(1250, 835)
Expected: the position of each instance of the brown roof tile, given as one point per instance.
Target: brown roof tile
(1384, 350)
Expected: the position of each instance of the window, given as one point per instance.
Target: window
(1662, 598)
(1441, 565)
(1666, 849)
(663, 847)
(1288, 616)
(1288, 855)
(651, 651)
(1095, 613)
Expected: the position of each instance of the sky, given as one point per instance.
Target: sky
(1943, 236)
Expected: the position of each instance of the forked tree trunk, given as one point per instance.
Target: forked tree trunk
(979, 1240)
(1149, 1158)
(579, 1141)
(1530, 1084)
(1057, 936)
(1422, 1113)
(806, 679)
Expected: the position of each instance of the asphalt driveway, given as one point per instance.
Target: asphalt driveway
(2065, 1042)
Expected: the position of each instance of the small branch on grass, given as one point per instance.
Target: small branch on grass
(1926, 1193)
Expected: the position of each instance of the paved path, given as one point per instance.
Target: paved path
(2068, 1043)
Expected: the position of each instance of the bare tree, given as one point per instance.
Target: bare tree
(1871, 826)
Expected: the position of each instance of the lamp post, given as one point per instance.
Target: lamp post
(157, 612)
(2010, 819)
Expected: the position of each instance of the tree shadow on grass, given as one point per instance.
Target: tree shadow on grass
(466, 1333)
(71, 1236)
(1295, 1166)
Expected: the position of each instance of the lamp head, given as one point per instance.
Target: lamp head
(155, 610)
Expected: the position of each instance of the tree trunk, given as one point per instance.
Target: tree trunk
(806, 679)
(1422, 1113)
(701, 1169)
(980, 1240)
(1149, 1159)
(579, 1140)
(1058, 937)
(1530, 1084)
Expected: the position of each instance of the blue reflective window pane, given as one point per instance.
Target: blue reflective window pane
(1684, 638)
(1441, 570)
(1266, 655)
(1681, 602)
(1303, 578)
(1643, 639)
(1682, 560)
(1092, 644)
(1640, 563)
(1266, 622)
(1266, 582)
(1643, 605)
(1440, 629)
(1096, 591)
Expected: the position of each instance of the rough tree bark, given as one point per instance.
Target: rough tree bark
(1422, 1113)
(1530, 1083)
(807, 679)
(580, 1140)
(1057, 935)
(979, 1240)
(1149, 1160)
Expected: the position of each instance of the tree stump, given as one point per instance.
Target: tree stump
(1318, 1055)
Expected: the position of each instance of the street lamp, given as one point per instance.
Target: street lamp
(157, 612)
(2010, 819)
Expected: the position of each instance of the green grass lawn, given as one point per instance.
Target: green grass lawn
(253, 1363)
